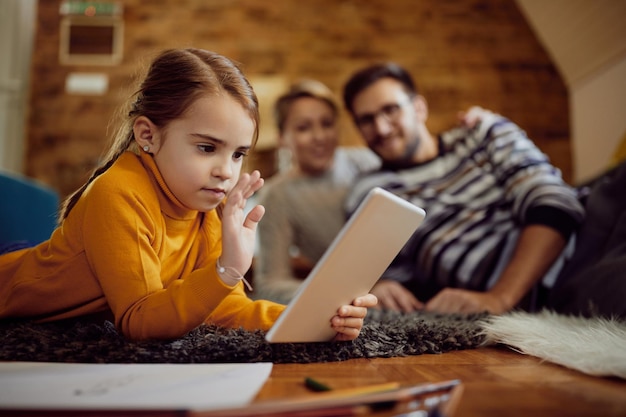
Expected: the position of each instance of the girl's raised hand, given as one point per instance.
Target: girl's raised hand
(239, 230)
(349, 319)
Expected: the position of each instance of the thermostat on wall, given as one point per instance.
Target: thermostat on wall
(86, 83)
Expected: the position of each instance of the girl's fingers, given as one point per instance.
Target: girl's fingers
(352, 311)
(349, 319)
(368, 300)
(347, 335)
(347, 323)
(247, 185)
(347, 329)
(254, 187)
(254, 217)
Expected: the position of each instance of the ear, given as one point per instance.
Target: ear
(421, 107)
(147, 134)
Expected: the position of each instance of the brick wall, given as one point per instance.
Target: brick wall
(462, 52)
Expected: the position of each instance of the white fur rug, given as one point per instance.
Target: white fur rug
(595, 346)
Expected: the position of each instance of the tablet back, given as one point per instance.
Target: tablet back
(350, 267)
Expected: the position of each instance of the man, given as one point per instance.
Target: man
(498, 215)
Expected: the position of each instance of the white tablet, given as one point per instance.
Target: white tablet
(350, 267)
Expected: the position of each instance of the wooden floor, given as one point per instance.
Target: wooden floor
(497, 382)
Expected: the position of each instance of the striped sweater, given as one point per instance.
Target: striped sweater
(483, 187)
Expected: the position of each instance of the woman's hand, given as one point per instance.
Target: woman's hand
(238, 230)
(349, 319)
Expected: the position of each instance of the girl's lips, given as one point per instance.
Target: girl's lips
(218, 192)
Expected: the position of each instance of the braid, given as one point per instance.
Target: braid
(71, 201)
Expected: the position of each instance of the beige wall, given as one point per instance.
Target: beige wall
(462, 52)
(17, 18)
(587, 42)
(598, 109)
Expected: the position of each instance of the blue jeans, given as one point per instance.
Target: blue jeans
(13, 246)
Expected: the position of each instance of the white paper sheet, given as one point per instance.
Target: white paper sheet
(66, 386)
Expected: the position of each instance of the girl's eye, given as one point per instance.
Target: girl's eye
(239, 155)
(206, 148)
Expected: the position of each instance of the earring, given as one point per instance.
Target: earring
(146, 148)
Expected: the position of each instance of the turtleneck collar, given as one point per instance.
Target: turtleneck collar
(170, 205)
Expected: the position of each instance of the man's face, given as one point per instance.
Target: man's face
(389, 119)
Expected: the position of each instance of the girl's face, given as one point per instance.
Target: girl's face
(310, 132)
(200, 155)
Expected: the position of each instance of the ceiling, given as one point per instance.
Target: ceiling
(582, 36)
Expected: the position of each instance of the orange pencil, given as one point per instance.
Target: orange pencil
(353, 392)
(345, 402)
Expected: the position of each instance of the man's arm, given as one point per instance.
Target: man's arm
(537, 249)
(541, 200)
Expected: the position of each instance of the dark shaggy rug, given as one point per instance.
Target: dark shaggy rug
(385, 334)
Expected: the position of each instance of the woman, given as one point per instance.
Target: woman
(304, 204)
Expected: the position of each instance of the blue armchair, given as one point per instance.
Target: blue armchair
(28, 210)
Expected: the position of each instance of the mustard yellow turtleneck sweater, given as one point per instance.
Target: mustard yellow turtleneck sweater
(130, 247)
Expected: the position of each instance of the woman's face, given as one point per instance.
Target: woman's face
(310, 132)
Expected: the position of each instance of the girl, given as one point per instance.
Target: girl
(150, 239)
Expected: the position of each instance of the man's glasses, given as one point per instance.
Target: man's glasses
(390, 112)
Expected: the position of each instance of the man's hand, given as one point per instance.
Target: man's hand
(455, 300)
(472, 116)
(393, 296)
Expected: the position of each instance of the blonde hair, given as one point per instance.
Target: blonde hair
(302, 88)
(175, 79)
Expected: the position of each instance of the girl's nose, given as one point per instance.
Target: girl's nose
(223, 169)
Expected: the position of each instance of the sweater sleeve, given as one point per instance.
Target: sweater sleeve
(273, 274)
(529, 179)
(558, 220)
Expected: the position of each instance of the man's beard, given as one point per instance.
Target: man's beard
(406, 160)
